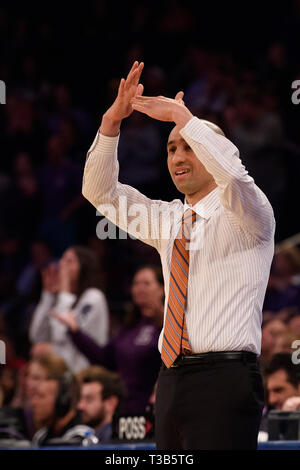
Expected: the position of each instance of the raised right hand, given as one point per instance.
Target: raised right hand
(122, 108)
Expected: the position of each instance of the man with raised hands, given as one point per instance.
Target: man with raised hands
(216, 249)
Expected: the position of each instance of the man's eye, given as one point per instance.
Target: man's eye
(172, 149)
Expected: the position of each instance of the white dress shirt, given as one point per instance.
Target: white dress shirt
(229, 269)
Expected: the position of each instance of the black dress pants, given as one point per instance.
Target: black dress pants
(215, 405)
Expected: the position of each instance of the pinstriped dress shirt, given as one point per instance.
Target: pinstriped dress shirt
(233, 237)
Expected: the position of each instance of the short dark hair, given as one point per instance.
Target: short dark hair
(111, 381)
(283, 361)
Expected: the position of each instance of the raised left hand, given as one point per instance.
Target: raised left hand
(163, 109)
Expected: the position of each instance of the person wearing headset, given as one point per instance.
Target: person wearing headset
(54, 404)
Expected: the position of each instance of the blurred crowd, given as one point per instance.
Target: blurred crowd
(81, 316)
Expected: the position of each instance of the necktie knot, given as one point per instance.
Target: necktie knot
(189, 213)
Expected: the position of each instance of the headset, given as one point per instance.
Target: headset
(65, 397)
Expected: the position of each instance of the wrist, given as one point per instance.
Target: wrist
(182, 116)
(110, 125)
(65, 288)
(47, 292)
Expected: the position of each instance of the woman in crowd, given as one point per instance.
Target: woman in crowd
(39, 368)
(73, 283)
(133, 352)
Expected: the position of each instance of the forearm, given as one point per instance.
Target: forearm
(101, 170)
(110, 127)
(114, 200)
(238, 193)
(95, 353)
(182, 116)
(217, 153)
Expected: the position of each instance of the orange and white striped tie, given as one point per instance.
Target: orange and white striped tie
(175, 338)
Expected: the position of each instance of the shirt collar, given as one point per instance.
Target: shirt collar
(206, 206)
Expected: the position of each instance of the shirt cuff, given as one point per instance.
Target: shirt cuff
(65, 300)
(104, 143)
(47, 297)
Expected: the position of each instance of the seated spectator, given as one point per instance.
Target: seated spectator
(29, 378)
(54, 405)
(100, 394)
(282, 378)
(133, 352)
(71, 284)
(39, 369)
(282, 388)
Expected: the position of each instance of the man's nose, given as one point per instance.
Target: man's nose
(178, 157)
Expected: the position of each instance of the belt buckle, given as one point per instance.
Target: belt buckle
(175, 363)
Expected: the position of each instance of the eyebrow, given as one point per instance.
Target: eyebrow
(171, 142)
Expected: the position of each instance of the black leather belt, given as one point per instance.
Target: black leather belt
(216, 356)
